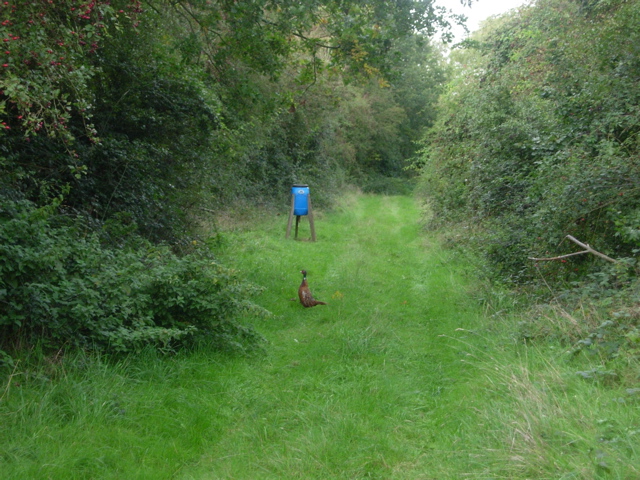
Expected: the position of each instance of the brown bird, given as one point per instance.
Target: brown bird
(306, 298)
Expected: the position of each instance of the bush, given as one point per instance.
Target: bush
(537, 138)
(62, 285)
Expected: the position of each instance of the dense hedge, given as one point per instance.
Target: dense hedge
(538, 138)
(66, 286)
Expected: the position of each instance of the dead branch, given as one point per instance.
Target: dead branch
(587, 249)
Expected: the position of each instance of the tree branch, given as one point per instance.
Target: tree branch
(300, 35)
(587, 249)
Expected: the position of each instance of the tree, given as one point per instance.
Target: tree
(45, 73)
(123, 125)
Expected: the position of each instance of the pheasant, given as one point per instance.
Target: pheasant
(306, 298)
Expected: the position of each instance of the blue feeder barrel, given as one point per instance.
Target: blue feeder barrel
(300, 199)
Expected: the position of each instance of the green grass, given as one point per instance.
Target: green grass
(401, 376)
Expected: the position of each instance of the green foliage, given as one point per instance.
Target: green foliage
(388, 185)
(537, 138)
(157, 121)
(60, 284)
(45, 75)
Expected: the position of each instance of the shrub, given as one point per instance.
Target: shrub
(537, 138)
(62, 285)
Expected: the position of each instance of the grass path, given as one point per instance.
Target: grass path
(363, 388)
(401, 376)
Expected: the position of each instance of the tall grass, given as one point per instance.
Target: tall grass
(401, 376)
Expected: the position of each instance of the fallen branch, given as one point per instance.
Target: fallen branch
(587, 249)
